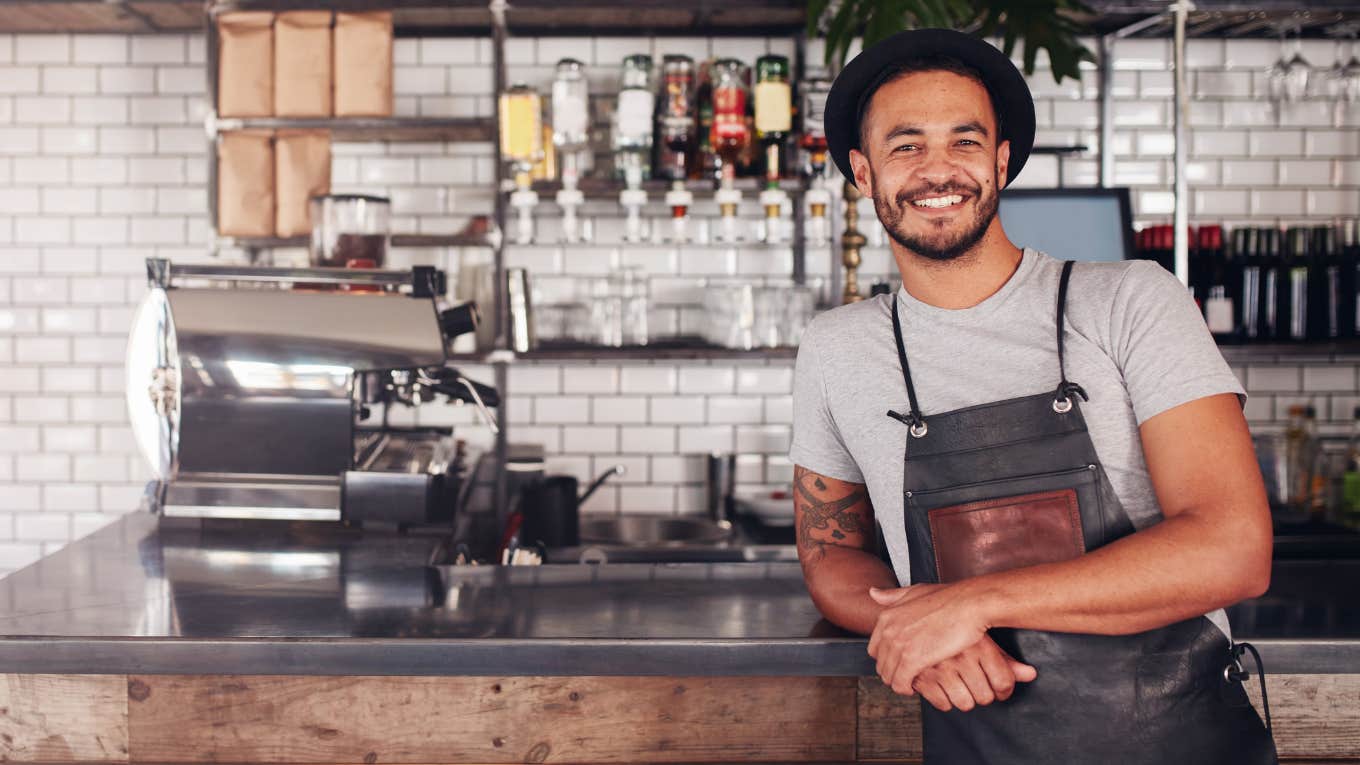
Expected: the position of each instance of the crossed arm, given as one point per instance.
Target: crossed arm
(1212, 549)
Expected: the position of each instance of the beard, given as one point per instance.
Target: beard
(943, 243)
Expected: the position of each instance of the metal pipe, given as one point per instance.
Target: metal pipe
(1105, 82)
(1180, 107)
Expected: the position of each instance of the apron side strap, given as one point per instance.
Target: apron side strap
(1239, 674)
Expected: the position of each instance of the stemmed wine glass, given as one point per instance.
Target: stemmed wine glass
(1289, 75)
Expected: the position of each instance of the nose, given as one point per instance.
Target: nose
(937, 168)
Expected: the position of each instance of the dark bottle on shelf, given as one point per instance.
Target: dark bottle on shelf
(1324, 285)
(1218, 299)
(1294, 310)
(1350, 278)
(1274, 287)
(1251, 284)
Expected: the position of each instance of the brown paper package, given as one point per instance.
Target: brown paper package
(245, 183)
(302, 159)
(363, 64)
(302, 64)
(245, 75)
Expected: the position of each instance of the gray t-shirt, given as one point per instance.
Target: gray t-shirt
(1135, 341)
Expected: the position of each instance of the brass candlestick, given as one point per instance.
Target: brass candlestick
(851, 242)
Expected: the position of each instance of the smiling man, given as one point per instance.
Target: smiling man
(1056, 455)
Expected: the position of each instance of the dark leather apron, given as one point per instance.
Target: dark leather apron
(1017, 483)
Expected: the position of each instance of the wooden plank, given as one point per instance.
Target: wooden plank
(889, 724)
(1314, 715)
(489, 720)
(63, 718)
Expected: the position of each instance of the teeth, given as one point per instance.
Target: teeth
(952, 199)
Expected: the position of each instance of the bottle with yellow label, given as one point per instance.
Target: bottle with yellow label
(774, 121)
(522, 142)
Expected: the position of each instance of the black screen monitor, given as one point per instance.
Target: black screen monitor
(1070, 224)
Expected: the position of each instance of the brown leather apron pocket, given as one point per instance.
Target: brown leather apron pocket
(1000, 534)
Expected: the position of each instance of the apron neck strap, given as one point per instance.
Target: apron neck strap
(913, 417)
(1062, 398)
(1066, 388)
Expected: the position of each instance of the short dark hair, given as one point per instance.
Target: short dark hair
(937, 62)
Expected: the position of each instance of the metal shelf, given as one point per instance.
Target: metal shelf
(606, 187)
(397, 240)
(346, 129)
(667, 349)
(583, 17)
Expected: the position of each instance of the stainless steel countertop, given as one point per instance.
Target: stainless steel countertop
(136, 597)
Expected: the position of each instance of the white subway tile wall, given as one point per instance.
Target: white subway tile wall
(102, 164)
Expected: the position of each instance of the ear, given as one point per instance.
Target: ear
(1003, 163)
(864, 176)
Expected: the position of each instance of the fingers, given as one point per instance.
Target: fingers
(978, 683)
(997, 666)
(933, 693)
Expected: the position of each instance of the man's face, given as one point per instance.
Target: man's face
(930, 160)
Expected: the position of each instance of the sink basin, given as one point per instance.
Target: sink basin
(652, 531)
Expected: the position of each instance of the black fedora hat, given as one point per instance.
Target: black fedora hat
(867, 71)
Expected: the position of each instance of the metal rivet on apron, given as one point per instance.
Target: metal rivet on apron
(919, 433)
(1062, 405)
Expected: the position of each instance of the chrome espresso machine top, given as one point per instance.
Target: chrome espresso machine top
(264, 392)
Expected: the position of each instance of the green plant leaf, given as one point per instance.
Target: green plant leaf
(1038, 25)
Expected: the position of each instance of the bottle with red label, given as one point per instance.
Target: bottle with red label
(730, 136)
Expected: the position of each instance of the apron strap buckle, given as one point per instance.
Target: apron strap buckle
(1062, 401)
(916, 425)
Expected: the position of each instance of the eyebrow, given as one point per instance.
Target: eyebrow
(912, 130)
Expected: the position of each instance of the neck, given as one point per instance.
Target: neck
(964, 281)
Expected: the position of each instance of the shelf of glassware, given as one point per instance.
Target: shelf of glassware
(396, 241)
(358, 129)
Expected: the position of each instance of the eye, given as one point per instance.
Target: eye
(905, 147)
(969, 141)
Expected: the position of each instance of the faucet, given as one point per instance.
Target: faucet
(598, 482)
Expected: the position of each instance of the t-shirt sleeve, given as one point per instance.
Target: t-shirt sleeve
(817, 444)
(1162, 345)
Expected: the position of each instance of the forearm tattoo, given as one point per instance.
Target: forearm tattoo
(829, 516)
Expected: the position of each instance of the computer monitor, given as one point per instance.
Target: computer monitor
(1070, 224)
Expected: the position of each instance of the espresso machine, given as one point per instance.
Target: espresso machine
(265, 393)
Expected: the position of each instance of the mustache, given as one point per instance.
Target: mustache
(905, 197)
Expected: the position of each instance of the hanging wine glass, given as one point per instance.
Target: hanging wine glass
(1298, 71)
(1277, 74)
(1350, 76)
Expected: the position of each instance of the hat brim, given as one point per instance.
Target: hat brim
(1014, 103)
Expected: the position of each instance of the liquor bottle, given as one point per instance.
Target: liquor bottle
(1350, 477)
(677, 135)
(571, 137)
(706, 164)
(1274, 286)
(729, 136)
(773, 123)
(1324, 285)
(1218, 303)
(813, 143)
(1350, 277)
(1301, 453)
(633, 138)
(521, 136)
(1246, 250)
(1295, 309)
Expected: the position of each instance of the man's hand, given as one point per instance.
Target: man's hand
(932, 627)
(982, 674)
